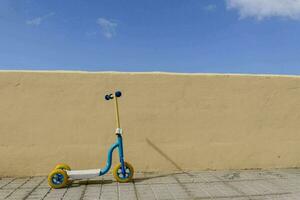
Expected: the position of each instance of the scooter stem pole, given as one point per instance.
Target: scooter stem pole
(117, 112)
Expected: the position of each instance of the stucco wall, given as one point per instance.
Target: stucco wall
(170, 121)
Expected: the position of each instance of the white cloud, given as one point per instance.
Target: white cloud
(35, 22)
(261, 9)
(108, 27)
(210, 7)
(38, 20)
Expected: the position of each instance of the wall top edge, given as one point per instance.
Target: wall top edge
(145, 73)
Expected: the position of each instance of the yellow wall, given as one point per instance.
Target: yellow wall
(170, 121)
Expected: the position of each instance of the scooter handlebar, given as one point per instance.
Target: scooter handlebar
(111, 96)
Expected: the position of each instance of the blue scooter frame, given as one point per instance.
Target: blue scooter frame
(119, 145)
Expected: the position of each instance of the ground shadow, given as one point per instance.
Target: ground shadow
(89, 182)
(135, 180)
(141, 179)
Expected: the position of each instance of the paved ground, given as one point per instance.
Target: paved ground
(236, 185)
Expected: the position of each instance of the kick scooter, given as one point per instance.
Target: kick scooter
(123, 172)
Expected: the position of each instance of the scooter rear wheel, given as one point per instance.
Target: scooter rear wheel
(58, 178)
(129, 171)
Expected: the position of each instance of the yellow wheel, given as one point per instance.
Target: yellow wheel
(129, 171)
(58, 178)
(63, 166)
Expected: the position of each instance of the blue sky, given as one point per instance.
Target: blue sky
(209, 36)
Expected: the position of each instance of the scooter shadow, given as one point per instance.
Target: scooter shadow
(89, 182)
(135, 180)
(149, 177)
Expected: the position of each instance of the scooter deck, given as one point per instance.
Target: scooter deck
(83, 174)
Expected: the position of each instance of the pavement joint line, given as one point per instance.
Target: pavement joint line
(149, 184)
(135, 190)
(262, 186)
(155, 196)
(65, 192)
(174, 197)
(34, 189)
(230, 186)
(50, 189)
(84, 190)
(118, 189)
(209, 196)
(186, 190)
(101, 187)
(18, 187)
(8, 183)
(274, 184)
(250, 188)
(217, 188)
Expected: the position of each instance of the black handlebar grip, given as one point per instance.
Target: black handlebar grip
(118, 93)
(108, 97)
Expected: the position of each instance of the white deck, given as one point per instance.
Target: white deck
(83, 174)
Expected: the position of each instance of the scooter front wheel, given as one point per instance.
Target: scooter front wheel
(129, 171)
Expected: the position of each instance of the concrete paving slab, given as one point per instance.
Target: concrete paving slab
(219, 185)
